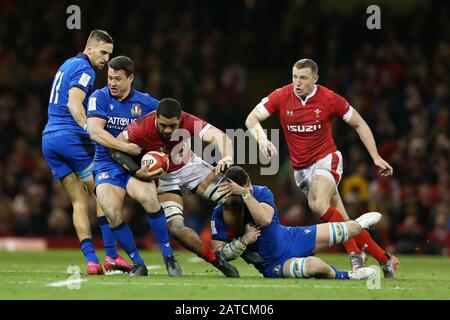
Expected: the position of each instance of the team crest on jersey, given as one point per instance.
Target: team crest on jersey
(317, 112)
(136, 109)
(104, 175)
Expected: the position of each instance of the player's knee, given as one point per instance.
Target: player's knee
(176, 226)
(151, 204)
(353, 228)
(318, 206)
(114, 216)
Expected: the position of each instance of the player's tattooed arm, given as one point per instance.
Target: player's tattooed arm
(75, 105)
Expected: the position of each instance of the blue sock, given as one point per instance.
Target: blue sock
(124, 236)
(340, 275)
(158, 223)
(87, 246)
(108, 238)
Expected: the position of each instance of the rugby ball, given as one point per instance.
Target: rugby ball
(156, 160)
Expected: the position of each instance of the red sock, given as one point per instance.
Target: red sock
(333, 215)
(208, 254)
(365, 241)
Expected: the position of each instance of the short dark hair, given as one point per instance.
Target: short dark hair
(100, 36)
(168, 108)
(238, 175)
(307, 63)
(122, 63)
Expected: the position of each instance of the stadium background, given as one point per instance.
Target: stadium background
(219, 59)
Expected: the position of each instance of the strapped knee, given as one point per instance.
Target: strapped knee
(338, 233)
(297, 268)
(172, 209)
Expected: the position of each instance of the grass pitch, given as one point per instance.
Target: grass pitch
(40, 275)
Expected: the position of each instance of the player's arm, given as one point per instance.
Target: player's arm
(261, 212)
(224, 143)
(253, 124)
(366, 136)
(234, 249)
(96, 128)
(76, 108)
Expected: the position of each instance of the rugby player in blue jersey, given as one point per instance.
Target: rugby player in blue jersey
(110, 110)
(286, 252)
(66, 144)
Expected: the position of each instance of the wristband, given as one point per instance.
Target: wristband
(245, 194)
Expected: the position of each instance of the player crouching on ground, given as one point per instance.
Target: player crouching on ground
(286, 252)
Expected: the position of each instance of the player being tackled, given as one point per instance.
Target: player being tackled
(286, 252)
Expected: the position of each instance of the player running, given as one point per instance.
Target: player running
(110, 110)
(286, 252)
(68, 149)
(305, 111)
(170, 130)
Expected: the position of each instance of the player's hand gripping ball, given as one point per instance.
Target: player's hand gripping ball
(155, 160)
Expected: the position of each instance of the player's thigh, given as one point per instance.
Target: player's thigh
(52, 154)
(143, 192)
(79, 154)
(320, 192)
(172, 203)
(110, 198)
(76, 190)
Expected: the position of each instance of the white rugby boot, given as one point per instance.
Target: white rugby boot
(368, 219)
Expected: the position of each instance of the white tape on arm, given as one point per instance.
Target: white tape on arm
(348, 115)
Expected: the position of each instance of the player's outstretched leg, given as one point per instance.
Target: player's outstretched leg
(324, 200)
(79, 196)
(313, 267)
(330, 234)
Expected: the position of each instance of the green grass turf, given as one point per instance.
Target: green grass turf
(25, 275)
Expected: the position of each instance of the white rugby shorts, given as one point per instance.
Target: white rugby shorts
(187, 177)
(330, 166)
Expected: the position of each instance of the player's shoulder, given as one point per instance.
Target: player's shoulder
(188, 118)
(80, 61)
(142, 95)
(102, 93)
(327, 93)
(261, 191)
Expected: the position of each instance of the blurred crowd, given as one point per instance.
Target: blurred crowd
(207, 57)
